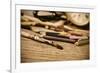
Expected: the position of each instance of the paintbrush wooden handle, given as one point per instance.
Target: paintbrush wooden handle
(59, 39)
(38, 38)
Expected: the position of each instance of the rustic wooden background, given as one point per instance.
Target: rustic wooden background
(33, 51)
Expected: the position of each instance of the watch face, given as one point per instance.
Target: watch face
(79, 19)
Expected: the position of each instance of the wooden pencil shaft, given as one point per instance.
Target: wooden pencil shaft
(40, 29)
(28, 23)
(79, 32)
(27, 35)
(82, 42)
(57, 34)
(37, 20)
(59, 39)
(38, 38)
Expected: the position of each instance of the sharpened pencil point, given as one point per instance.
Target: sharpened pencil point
(59, 47)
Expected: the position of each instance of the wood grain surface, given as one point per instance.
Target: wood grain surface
(33, 51)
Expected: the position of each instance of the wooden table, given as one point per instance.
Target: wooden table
(33, 51)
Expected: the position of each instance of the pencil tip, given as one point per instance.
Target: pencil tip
(59, 47)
